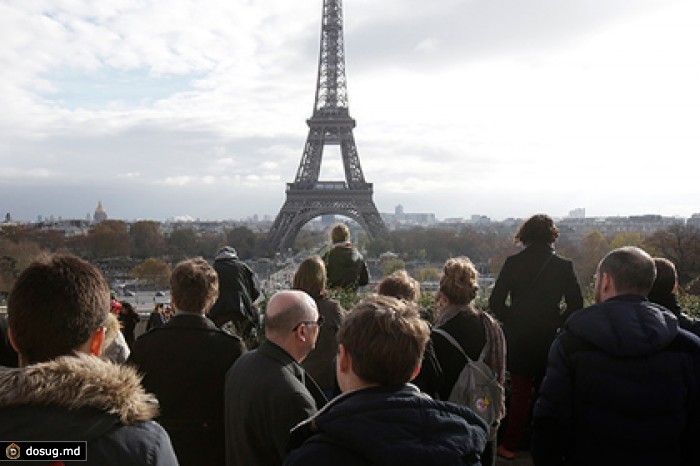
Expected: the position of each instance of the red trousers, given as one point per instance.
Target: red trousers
(524, 390)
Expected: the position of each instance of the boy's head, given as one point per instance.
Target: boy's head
(194, 286)
(381, 342)
(56, 307)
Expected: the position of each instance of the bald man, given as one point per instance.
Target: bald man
(267, 391)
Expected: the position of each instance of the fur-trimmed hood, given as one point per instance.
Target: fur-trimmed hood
(79, 381)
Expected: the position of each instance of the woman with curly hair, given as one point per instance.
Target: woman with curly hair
(472, 328)
(527, 299)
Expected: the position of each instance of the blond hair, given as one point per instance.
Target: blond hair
(340, 233)
(400, 285)
(459, 281)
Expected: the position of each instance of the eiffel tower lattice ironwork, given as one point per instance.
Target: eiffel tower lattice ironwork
(330, 124)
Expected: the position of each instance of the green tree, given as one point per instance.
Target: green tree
(244, 240)
(152, 272)
(681, 245)
(377, 246)
(14, 258)
(392, 265)
(109, 238)
(183, 243)
(593, 248)
(146, 239)
(627, 239)
(426, 274)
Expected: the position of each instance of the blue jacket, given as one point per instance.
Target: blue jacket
(389, 426)
(622, 387)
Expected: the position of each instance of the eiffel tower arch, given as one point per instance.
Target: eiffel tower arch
(330, 124)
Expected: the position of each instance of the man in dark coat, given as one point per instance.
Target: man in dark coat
(623, 381)
(345, 266)
(238, 290)
(380, 418)
(184, 363)
(534, 281)
(267, 391)
(62, 390)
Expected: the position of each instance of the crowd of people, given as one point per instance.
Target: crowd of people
(614, 383)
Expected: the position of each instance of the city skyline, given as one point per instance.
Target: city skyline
(488, 107)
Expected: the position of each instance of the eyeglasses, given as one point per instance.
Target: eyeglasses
(318, 322)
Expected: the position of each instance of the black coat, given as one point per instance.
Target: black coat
(387, 426)
(238, 290)
(267, 393)
(622, 387)
(531, 321)
(345, 267)
(185, 363)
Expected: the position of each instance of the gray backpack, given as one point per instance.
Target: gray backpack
(477, 385)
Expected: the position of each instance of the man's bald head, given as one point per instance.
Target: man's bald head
(286, 309)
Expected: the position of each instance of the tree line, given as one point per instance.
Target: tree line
(487, 247)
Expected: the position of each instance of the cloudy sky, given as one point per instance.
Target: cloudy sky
(197, 108)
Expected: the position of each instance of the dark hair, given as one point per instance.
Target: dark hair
(386, 338)
(400, 285)
(55, 306)
(311, 277)
(459, 281)
(128, 308)
(666, 277)
(539, 228)
(194, 285)
(631, 269)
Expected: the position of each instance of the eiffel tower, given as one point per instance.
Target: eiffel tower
(330, 124)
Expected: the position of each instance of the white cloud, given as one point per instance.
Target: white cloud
(508, 108)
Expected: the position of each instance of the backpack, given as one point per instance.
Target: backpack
(477, 385)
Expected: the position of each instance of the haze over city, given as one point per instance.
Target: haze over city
(197, 109)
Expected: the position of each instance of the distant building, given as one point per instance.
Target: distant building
(694, 221)
(577, 228)
(577, 213)
(100, 213)
(401, 219)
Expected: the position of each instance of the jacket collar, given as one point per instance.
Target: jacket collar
(190, 320)
(79, 381)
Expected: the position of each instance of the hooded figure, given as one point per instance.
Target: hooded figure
(238, 290)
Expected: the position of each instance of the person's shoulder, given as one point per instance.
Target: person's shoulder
(322, 449)
(145, 442)
(687, 341)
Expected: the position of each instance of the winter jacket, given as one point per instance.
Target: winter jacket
(184, 363)
(531, 321)
(83, 398)
(387, 426)
(238, 290)
(267, 393)
(622, 387)
(345, 267)
(670, 302)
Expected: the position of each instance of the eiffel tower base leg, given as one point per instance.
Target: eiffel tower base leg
(302, 206)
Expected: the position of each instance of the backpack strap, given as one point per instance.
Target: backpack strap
(456, 344)
(452, 341)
